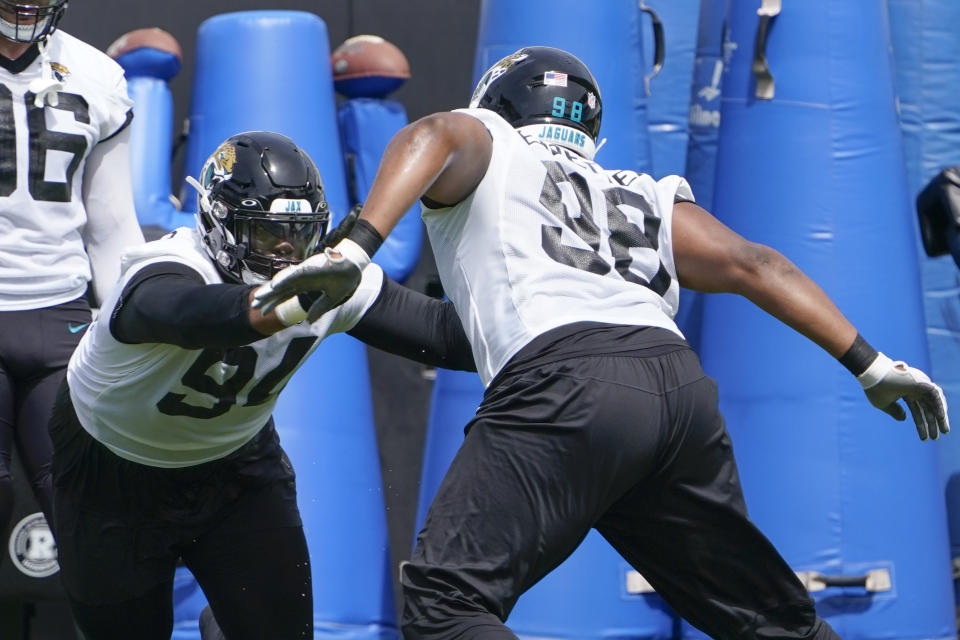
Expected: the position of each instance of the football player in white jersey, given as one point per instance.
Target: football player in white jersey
(164, 445)
(596, 413)
(66, 212)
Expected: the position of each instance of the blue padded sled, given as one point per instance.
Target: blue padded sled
(366, 127)
(148, 72)
(810, 162)
(927, 58)
(280, 80)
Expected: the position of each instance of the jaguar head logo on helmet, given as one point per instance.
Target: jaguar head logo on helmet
(30, 21)
(261, 206)
(545, 93)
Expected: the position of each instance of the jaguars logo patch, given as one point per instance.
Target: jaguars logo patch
(220, 165)
(225, 156)
(493, 73)
(60, 71)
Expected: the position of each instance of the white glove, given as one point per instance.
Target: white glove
(318, 284)
(886, 381)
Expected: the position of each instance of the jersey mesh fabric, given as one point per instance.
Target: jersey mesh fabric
(42, 259)
(165, 406)
(549, 238)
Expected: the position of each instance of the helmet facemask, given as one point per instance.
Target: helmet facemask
(30, 22)
(261, 206)
(273, 241)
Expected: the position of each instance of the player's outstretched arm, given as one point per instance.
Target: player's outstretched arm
(711, 257)
(443, 156)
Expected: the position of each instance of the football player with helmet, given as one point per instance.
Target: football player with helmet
(164, 445)
(66, 206)
(596, 413)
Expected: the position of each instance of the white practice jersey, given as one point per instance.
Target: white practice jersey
(166, 406)
(549, 238)
(42, 156)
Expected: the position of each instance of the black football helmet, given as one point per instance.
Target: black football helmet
(30, 21)
(544, 86)
(261, 206)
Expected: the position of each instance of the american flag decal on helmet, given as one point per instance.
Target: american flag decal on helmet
(555, 78)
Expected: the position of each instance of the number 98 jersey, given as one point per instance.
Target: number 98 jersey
(43, 150)
(549, 238)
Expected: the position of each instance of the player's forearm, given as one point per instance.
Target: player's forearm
(169, 303)
(412, 325)
(776, 285)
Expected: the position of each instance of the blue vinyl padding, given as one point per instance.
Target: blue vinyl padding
(927, 60)
(668, 106)
(366, 127)
(151, 147)
(151, 135)
(817, 172)
(153, 63)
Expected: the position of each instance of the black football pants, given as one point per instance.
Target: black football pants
(35, 347)
(633, 446)
(121, 528)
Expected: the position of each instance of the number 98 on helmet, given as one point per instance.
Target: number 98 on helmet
(546, 93)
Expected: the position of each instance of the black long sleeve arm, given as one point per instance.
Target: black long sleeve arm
(169, 302)
(410, 324)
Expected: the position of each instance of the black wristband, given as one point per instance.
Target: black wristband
(859, 356)
(364, 234)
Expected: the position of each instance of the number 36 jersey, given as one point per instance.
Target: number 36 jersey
(167, 406)
(43, 151)
(549, 238)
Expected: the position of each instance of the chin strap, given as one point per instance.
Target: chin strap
(46, 86)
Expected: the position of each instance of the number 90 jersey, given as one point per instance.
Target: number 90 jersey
(43, 151)
(549, 238)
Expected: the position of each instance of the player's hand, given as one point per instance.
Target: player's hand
(342, 230)
(321, 282)
(267, 297)
(885, 382)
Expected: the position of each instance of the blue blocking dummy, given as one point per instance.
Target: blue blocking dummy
(148, 70)
(594, 593)
(703, 132)
(188, 601)
(668, 104)
(367, 123)
(280, 80)
(366, 127)
(810, 162)
(927, 57)
(704, 114)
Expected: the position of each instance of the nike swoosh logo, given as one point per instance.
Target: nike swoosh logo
(77, 328)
